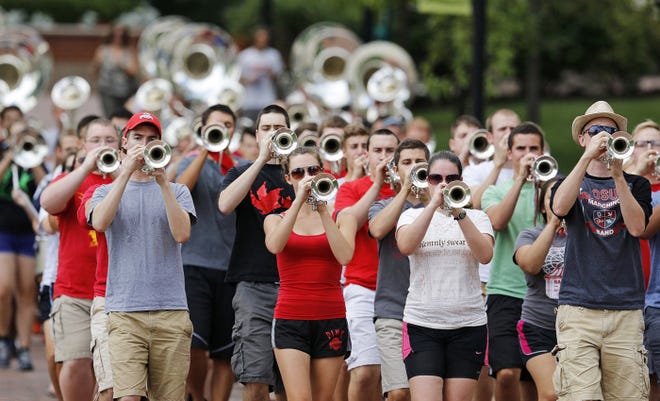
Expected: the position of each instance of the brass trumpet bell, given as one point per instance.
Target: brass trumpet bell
(479, 146)
(419, 178)
(620, 145)
(330, 148)
(323, 188)
(544, 168)
(157, 154)
(215, 138)
(107, 160)
(285, 141)
(456, 195)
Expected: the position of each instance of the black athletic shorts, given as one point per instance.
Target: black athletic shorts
(457, 353)
(211, 312)
(318, 338)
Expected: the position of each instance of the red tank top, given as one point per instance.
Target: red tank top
(309, 280)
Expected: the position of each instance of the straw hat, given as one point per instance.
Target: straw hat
(599, 109)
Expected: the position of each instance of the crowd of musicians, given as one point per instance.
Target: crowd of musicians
(429, 274)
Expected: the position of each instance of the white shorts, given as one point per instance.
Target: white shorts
(360, 316)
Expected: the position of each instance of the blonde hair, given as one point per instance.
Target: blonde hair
(645, 124)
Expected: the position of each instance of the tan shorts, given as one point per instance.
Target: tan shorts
(99, 345)
(600, 355)
(150, 347)
(389, 338)
(71, 328)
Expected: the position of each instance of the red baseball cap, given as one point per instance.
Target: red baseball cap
(143, 117)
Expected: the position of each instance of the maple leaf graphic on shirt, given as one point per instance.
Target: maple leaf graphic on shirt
(267, 201)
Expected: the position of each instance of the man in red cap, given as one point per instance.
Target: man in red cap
(73, 289)
(145, 219)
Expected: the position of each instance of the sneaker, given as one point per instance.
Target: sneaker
(24, 361)
(4, 353)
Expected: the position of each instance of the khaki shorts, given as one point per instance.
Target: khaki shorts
(389, 338)
(71, 328)
(150, 347)
(600, 355)
(99, 345)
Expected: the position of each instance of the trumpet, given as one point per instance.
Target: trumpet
(392, 178)
(285, 141)
(418, 178)
(215, 137)
(656, 162)
(619, 146)
(544, 168)
(157, 154)
(479, 146)
(308, 141)
(456, 195)
(330, 151)
(30, 151)
(323, 189)
(107, 160)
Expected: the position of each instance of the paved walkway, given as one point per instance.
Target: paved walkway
(33, 386)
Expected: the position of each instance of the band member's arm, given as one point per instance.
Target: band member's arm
(566, 194)
(361, 208)
(654, 224)
(631, 211)
(232, 196)
(190, 175)
(383, 222)
(500, 213)
(50, 224)
(6, 161)
(105, 211)
(409, 236)
(341, 235)
(178, 218)
(277, 228)
(480, 244)
(531, 257)
(56, 195)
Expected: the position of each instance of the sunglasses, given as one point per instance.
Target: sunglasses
(299, 172)
(435, 179)
(597, 129)
(651, 143)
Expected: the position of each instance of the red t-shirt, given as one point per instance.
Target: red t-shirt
(646, 250)
(78, 244)
(101, 250)
(309, 280)
(363, 268)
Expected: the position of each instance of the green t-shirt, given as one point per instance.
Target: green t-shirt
(506, 278)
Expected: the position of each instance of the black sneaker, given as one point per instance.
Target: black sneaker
(5, 353)
(24, 361)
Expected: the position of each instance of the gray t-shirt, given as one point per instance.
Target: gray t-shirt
(542, 288)
(145, 270)
(393, 270)
(212, 238)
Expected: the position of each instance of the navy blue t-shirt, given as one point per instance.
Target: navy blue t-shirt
(603, 265)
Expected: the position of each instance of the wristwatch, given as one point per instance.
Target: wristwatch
(461, 215)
